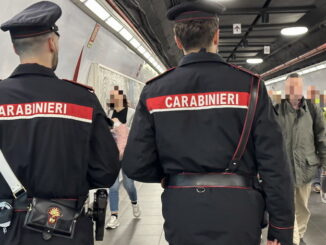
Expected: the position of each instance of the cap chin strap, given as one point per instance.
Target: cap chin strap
(16, 187)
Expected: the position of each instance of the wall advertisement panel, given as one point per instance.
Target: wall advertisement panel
(103, 79)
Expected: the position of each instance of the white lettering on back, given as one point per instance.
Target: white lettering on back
(10, 110)
(176, 102)
(2, 111)
(50, 108)
(167, 103)
(193, 101)
(58, 108)
(201, 100)
(28, 109)
(231, 99)
(223, 99)
(184, 101)
(19, 110)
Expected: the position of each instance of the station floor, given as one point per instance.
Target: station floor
(148, 229)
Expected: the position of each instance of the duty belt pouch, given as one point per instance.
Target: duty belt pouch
(6, 213)
(52, 217)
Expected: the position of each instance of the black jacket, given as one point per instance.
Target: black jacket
(190, 120)
(54, 135)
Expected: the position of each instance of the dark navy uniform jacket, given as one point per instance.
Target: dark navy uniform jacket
(54, 135)
(190, 119)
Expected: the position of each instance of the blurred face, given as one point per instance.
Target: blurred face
(116, 98)
(294, 88)
(311, 92)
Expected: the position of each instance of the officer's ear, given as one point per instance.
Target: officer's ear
(52, 42)
(216, 38)
(178, 42)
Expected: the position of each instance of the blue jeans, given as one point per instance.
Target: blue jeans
(114, 192)
(316, 180)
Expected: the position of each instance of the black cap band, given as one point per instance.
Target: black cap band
(26, 32)
(194, 15)
(195, 10)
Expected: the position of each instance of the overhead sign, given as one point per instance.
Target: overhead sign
(267, 49)
(236, 28)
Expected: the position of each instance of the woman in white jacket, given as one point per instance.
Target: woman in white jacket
(122, 117)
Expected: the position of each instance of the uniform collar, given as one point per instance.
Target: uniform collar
(199, 57)
(34, 69)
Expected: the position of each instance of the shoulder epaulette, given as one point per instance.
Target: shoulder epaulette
(80, 84)
(245, 70)
(161, 75)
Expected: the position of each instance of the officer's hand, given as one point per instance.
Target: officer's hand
(273, 243)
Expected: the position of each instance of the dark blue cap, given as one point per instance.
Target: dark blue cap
(195, 10)
(38, 19)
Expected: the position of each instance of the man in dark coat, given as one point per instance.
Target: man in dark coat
(53, 132)
(185, 131)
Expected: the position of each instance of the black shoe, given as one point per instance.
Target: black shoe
(302, 242)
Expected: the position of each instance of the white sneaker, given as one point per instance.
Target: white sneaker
(136, 210)
(113, 223)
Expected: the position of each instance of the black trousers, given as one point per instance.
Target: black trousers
(213, 216)
(18, 235)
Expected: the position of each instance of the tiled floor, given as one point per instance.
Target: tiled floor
(148, 230)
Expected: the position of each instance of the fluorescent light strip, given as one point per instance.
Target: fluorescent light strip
(147, 55)
(151, 59)
(141, 50)
(97, 9)
(126, 34)
(135, 43)
(300, 72)
(114, 24)
(103, 14)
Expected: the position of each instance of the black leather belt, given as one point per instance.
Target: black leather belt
(209, 180)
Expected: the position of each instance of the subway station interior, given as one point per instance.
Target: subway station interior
(126, 43)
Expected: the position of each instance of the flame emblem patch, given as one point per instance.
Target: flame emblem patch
(54, 214)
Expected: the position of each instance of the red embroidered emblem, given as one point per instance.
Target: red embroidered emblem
(54, 214)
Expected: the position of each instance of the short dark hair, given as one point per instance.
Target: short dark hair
(293, 75)
(195, 34)
(29, 45)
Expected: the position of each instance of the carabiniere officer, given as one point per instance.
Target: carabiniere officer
(53, 132)
(185, 131)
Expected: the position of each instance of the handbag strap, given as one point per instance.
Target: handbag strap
(242, 145)
(16, 187)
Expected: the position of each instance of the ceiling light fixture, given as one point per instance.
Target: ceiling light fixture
(104, 14)
(147, 55)
(255, 61)
(294, 31)
(97, 9)
(126, 34)
(135, 43)
(141, 49)
(114, 24)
